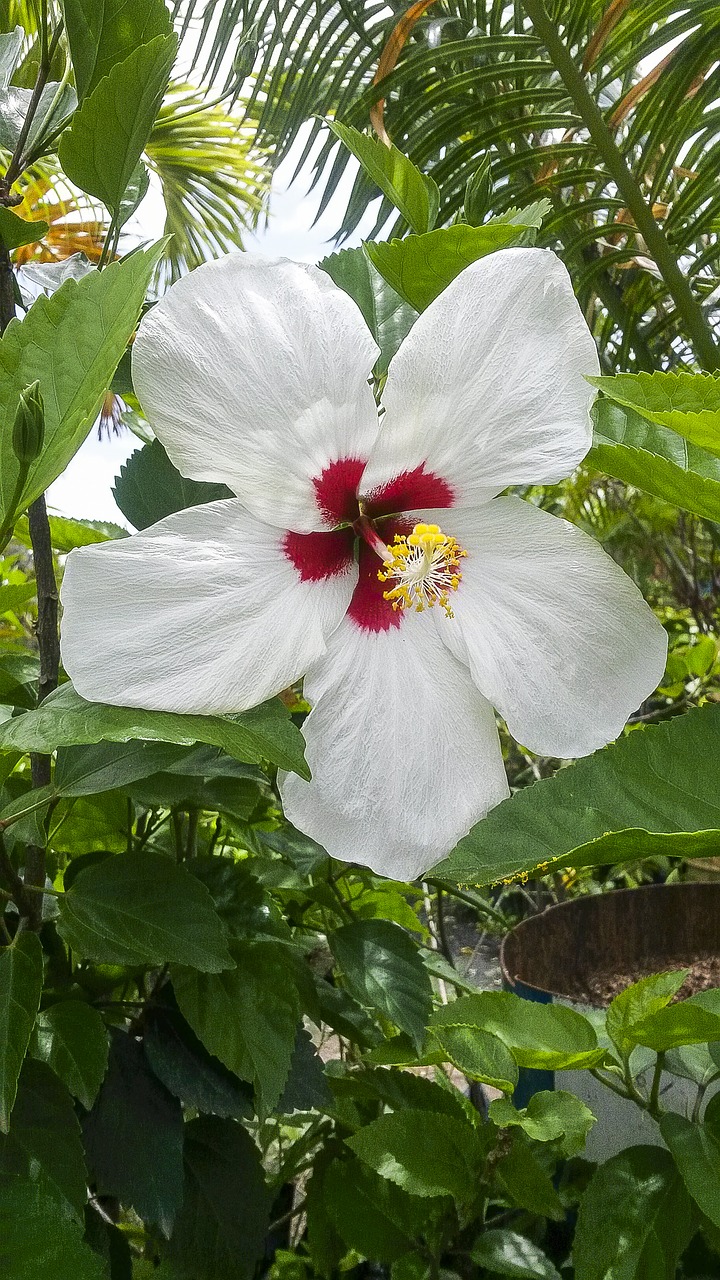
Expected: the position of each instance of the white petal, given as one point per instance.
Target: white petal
(201, 613)
(403, 750)
(253, 371)
(555, 634)
(487, 389)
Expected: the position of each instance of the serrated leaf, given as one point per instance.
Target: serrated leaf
(44, 1141)
(523, 1181)
(65, 720)
(220, 1230)
(388, 317)
(639, 1001)
(686, 1022)
(687, 403)
(696, 1152)
(506, 1253)
(141, 908)
(247, 1016)
(187, 1070)
(71, 343)
(550, 1115)
(71, 1038)
(479, 1055)
(101, 149)
(306, 1088)
(149, 487)
(550, 1037)
(38, 1238)
(383, 969)
(413, 193)
(424, 1152)
(635, 1218)
(371, 1214)
(420, 267)
(103, 32)
(653, 792)
(654, 459)
(21, 983)
(15, 231)
(134, 1137)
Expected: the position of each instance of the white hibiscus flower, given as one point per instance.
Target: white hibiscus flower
(256, 372)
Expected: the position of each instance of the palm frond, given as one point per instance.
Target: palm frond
(215, 180)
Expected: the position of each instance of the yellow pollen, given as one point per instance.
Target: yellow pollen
(425, 567)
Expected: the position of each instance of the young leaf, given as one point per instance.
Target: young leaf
(687, 403)
(44, 1140)
(413, 193)
(387, 316)
(424, 1152)
(549, 1115)
(38, 1238)
(149, 487)
(104, 32)
(71, 1038)
(134, 1137)
(653, 792)
(640, 1001)
(420, 267)
(635, 1218)
(505, 1253)
(247, 1016)
(653, 458)
(71, 343)
(687, 1022)
(101, 149)
(382, 968)
(65, 720)
(141, 908)
(21, 983)
(220, 1230)
(549, 1037)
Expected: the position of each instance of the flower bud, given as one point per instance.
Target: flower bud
(478, 193)
(29, 428)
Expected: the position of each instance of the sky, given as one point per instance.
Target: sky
(84, 491)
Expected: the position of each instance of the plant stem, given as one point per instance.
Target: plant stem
(658, 247)
(654, 1102)
(15, 167)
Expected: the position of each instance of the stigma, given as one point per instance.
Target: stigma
(425, 567)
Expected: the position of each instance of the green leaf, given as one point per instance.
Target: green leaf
(134, 1137)
(105, 766)
(247, 1016)
(549, 1037)
(479, 1055)
(103, 32)
(56, 104)
(424, 1152)
(696, 1152)
(21, 983)
(635, 1219)
(18, 680)
(13, 598)
(83, 825)
(141, 908)
(38, 1239)
(101, 149)
(549, 1115)
(413, 193)
(640, 1001)
(525, 1183)
(687, 403)
(506, 1253)
(65, 720)
(220, 1230)
(420, 267)
(382, 968)
(387, 316)
(15, 231)
(655, 459)
(149, 487)
(71, 1038)
(11, 46)
(70, 342)
(187, 1070)
(44, 1141)
(678, 1024)
(306, 1088)
(651, 793)
(371, 1214)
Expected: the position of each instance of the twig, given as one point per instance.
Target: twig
(15, 167)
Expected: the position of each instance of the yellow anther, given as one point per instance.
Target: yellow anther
(425, 566)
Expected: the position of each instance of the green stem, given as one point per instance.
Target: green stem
(654, 1103)
(658, 247)
(15, 167)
